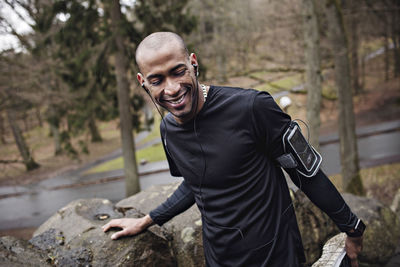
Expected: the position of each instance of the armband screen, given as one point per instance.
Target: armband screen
(306, 159)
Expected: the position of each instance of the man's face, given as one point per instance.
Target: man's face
(169, 75)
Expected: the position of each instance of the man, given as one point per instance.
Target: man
(225, 143)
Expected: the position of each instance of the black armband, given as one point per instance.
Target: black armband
(299, 154)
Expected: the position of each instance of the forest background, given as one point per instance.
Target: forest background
(68, 92)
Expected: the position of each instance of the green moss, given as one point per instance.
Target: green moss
(329, 92)
(355, 186)
(289, 82)
(151, 154)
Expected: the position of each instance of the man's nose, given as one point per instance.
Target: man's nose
(171, 88)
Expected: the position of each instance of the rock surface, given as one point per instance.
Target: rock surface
(383, 229)
(73, 237)
(184, 231)
(15, 252)
(395, 207)
(315, 226)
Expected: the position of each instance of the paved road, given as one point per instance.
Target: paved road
(30, 206)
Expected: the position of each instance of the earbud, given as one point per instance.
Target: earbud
(196, 69)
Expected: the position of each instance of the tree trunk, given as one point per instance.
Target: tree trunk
(29, 162)
(354, 48)
(94, 131)
(39, 116)
(56, 137)
(348, 142)
(387, 52)
(54, 123)
(396, 40)
(2, 130)
(25, 120)
(121, 66)
(313, 70)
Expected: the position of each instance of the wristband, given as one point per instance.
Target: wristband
(358, 230)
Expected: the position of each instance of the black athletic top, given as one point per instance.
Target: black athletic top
(226, 155)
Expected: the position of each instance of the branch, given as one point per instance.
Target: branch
(20, 37)
(27, 9)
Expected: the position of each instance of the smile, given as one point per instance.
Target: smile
(177, 101)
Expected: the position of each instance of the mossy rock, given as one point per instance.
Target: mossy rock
(383, 229)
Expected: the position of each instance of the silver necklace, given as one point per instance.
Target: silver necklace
(204, 88)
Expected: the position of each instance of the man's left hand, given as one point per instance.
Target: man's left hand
(353, 248)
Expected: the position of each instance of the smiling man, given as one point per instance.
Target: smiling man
(229, 146)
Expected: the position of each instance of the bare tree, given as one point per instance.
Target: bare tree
(313, 69)
(28, 160)
(2, 130)
(355, 43)
(348, 142)
(122, 66)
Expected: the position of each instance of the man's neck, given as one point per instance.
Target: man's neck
(201, 100)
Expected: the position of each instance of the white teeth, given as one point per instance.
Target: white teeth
(179, 100)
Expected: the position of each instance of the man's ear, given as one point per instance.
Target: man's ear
(140, 78)
(193, 59)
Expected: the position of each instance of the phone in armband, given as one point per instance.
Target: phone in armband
(299, 153)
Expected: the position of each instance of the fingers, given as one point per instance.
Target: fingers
(354, 263)
(130, 226)
(119, 234)
(353, 248)
(111, 224)
(115, 223)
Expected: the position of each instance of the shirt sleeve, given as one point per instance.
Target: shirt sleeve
(270, 125)
(181, 200)
(326, 197)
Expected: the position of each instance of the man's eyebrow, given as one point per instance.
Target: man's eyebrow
(153, 76)
(177, 67)
(170, 71)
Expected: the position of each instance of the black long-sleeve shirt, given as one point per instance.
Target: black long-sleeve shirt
(227, 158)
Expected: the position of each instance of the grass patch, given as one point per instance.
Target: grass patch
(155, 131)
(329, 92)
(381, 182)
(151, 154)
(288, 82)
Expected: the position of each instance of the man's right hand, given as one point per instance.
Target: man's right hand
(130, 226)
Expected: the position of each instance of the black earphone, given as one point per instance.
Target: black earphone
(196, 69)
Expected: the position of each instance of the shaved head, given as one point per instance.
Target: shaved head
(156, 41)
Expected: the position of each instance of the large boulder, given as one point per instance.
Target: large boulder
(15, 252)
(395, 207)
(383, 229)
(315, 226)
(184, 231)
(73, 237)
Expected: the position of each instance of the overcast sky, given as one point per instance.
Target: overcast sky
(8, 40)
